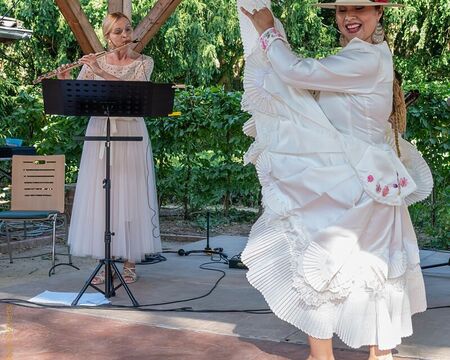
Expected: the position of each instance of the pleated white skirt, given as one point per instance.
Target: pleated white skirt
(326, 256)
(134, 205)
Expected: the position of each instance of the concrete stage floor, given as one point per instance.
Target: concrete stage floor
(40, 334)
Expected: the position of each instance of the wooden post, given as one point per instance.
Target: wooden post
(80, 25)
(150, 25)
(123, 6)
(85, 34)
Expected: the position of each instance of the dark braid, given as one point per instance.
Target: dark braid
(398, 114)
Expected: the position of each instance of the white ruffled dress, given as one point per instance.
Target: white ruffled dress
(134, 205)
(335, 251)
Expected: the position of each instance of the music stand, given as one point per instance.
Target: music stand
(107, 98)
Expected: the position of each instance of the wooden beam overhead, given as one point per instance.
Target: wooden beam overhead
(86, 36)
(80, 25)
(150, 25)
(123, 6)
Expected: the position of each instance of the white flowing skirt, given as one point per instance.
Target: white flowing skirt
(134, 205)
(335, 251)
(326, 256)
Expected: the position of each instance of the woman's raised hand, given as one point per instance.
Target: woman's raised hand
(62, 72)
(91, 61)
(261, 19)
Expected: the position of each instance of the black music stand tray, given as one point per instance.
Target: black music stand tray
(107, 98)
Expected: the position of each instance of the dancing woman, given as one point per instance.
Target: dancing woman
(334, 251)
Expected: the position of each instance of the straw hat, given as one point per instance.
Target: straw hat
(332, 5)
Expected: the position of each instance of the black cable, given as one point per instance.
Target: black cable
(438, 307)
(435, 250)
(144, 308)
(197, 297)
(149, 259)
(26, 303)
(152, 259)
(25, 257)
(33, 305)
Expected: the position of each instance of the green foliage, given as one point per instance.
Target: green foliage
(23, 116)
(305, 28)
(420, 36)
(198, 155)
(217, 219)
(428, 128)
(198, 45)
(52, 42)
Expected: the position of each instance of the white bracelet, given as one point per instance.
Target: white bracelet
(269, 36)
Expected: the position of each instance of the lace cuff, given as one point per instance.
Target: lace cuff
(269, 36)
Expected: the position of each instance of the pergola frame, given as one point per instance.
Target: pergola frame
(86, 36)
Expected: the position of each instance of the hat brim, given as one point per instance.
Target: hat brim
(353, 3)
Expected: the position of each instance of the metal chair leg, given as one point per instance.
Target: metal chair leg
(66, 236)
(54, 242)
(54, 265)
(8, 240)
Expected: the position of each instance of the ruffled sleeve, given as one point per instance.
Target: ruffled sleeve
(352, 70)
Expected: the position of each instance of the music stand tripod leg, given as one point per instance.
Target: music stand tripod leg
(124, 284)
(108, 262)
(88, 283)
(108, 98)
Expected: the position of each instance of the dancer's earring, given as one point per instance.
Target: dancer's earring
(378, 34)
(342, 40)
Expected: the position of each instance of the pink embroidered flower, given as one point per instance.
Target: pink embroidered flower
(378, 188)
(385, 190)
(370, 178)
(403, 182)
(268, 36)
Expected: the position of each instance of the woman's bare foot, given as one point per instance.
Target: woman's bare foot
(321, 349)
(377, 354)
(313, 358)
(129, 272)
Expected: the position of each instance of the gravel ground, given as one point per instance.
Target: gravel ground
(34, 263)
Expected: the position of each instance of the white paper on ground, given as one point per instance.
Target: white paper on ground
(63, 298)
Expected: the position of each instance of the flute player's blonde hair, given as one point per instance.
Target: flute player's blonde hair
(110, 20)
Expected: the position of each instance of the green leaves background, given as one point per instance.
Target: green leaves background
(199, 155)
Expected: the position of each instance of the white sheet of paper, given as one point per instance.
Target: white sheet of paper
(63, 298)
